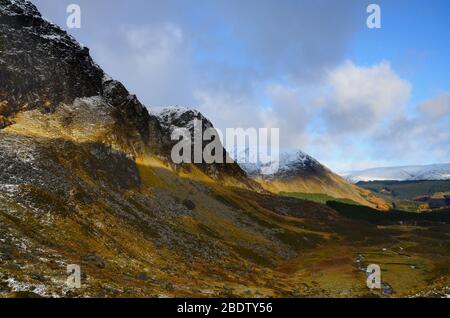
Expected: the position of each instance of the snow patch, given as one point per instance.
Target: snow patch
(182, 115)
(425, 172)
(287, 162)
(53, 37)
(9, 189)
(17, 286)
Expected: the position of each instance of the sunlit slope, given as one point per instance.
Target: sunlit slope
(321, 181)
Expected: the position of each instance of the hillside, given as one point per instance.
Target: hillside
(86, 178)
(300, 173)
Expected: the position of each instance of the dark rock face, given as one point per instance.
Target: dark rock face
(290, 166)
(181, 117)
(189, 204)
(129, 112)
(4, 122)
(94, 259)
(178, 117)
(302, 166)
(142, 276)
(41, 66)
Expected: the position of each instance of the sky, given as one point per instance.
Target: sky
(350, 96)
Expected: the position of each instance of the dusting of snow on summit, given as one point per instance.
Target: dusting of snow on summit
(405, 173)
(176, 117)
(288, 163)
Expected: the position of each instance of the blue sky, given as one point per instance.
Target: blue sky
(350, 96)
(415, 38)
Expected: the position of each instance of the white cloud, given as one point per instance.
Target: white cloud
(369, 121)
(414, 141)
(437, 107)
(159, 60)
(153, 61)
(228, 109)
(364, 97)
(283, 109)
(290, 112)
(155, 47)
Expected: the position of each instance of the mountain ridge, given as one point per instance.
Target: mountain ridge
(401, 173)
(298, 172)
(67, 73)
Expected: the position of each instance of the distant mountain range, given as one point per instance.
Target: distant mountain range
(287, 163)
(404, 173)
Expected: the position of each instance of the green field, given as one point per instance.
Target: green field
(316, 197)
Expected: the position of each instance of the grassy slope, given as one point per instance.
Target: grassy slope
(316, 197)
(329, 184)
(142, 241)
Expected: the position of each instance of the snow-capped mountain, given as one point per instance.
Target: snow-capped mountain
(286, 164)
(425, 172)
(170, 118)
(297, 171)
(176, 117)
